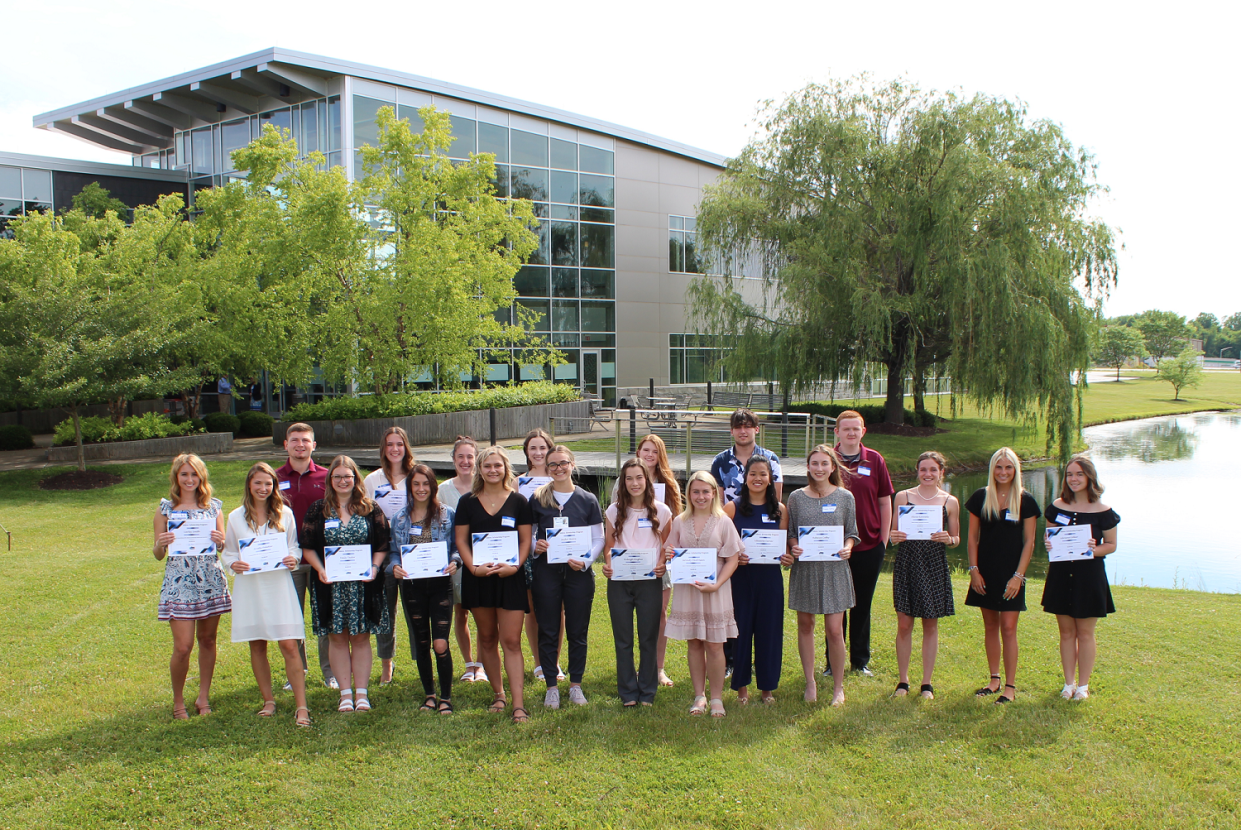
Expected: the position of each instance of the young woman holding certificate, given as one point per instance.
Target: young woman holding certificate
(702, 609)
(464, 451)
(349, 606)
(536, 447)
(758, 583)
(493, 536)
(189, 527)
(560, 508)
(820, 582)
(386, 486)
(265, 606)
(635, 526)
(1076, 590)
(925, 521)
(654, 457)
(427, 599)
(1003, 522)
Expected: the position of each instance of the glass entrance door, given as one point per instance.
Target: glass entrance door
(590, 372)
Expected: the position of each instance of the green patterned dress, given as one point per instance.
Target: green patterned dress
(348, 604)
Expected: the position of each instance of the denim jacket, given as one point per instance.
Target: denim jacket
(442, 530)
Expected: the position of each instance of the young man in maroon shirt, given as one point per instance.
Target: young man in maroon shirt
(872, 491)
(302, 483)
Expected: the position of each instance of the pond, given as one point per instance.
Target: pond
(1145, 465)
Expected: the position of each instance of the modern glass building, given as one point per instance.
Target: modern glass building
(616, 205)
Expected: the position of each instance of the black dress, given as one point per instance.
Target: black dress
(1000, 542)
(921, 582)
(505, 592)
(1079, 589)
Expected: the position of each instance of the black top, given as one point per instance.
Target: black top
(507, 592)
(1004, 533)
(1000, 542)
(470, 512)
(1099, 522)
(582, 510)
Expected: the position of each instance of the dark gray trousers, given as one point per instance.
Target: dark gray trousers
(625, 600)
(302, 577)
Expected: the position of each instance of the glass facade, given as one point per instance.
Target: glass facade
(23, 190)
(683, 245)
(568, 284)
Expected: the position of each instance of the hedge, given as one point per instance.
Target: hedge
(255, 424)
(222, 422)
(872, 413)
(102, 430)
(16, 437)
(429, 403)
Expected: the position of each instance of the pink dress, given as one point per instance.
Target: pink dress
(695, 615)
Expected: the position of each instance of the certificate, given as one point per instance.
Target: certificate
(660, 491)
(690, 565)
(193, 537)
(263, 553)
(764, 547)
(526, 485)
(821, 543)
(496, 546)
(391, 500)
(565, 543)
(919, 521)
(347, 563)
(424, 560)
(1070, 544)
(634, 564)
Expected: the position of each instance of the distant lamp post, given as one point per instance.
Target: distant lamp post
(1225, 349)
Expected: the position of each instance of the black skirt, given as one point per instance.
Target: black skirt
(504, 592)
(1078, 590)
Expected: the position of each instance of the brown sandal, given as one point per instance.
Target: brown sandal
(520, 715)
(269, 709)
(301, 720)
(498, 705)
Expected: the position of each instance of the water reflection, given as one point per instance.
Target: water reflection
(1161, 440)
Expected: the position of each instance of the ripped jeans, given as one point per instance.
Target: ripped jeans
(428, 616)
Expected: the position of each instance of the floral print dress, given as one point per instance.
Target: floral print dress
(348, 598)
(195, 587)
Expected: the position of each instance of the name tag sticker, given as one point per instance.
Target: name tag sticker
(178, 514)
(644, 522)
(331, 523)
(1008, 514)
(829, 508)
(416, 530)
(508, 521)
(285, 485)
(863, 470)
(1062, 519)
(560, 521)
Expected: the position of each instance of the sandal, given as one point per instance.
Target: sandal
(928, 692)
(391, 676)
(538, 674)
(269, 709)
(717, 708)
(902, 689)
(300, 719)
(985, 691)
(179, 713)
(480, 674)
(1003, 699)
(664, 679)
(445, 707)
(744, 700)
(362, 704)
(204, 709)
(346, 704)
(768, 697)
(468, 676)
(520, 715)
(498, 705)
(699, 708)
(428, 705)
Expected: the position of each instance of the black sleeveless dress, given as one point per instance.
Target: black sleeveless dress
(1079, 589)
(921, 585)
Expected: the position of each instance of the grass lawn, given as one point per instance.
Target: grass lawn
(88, 740)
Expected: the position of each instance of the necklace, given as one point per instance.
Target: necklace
(918, 490)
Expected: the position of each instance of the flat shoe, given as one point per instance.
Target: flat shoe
(699, 708)
(927, 692)
(203, 709)
(717, 708)
(902, 689)
(986, 691)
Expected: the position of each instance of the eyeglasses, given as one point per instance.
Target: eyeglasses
(342, 478)
(560, 465)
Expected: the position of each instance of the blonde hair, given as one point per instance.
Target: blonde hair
(838, 475)
(476, 486)
(275, 502)
(359, 502)
(717, 509)
(407, 463)
(991, 507)
(544, 493)
(202, 497)
(663, 473)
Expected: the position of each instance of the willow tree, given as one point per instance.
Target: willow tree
(910, 229)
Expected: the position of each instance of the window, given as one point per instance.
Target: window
(693, 358)
(683, 245)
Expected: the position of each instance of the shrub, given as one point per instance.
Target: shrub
(198, 424)
(428, 403)
(101, 430)
(222, 422)
(16, 437)
(255, 424)
(873, 413)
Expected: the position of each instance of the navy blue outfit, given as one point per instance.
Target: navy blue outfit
(758, 607)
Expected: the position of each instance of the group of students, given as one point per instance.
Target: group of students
(732, 625)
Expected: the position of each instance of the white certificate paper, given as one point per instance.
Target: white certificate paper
(565, 543)
(634, 564)
(1070, 544)
(193, 537)
(821, 543)
(263, 553)
(660, 491)
(764, 547)
(347, 563)
(495, 546)
(424, 560)
(919, 521)
(526, 485)
(690, 565)
(391, 500)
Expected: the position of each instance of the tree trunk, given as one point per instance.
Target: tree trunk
(894, 407)
(77, 434)
(116, 410)
(919, 388)
(194, 397)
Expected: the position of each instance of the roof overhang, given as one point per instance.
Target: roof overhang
(144, 118)
(90, 168)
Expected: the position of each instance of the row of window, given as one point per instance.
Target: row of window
(23, 191)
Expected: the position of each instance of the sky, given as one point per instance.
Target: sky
(1149, 91)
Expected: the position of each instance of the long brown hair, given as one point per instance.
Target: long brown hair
(663, 473)
(359, 503)
(530, 436)
(275, 502)
(839, 475)
(203, 495)
(407, 463)
(433, 501)
(648, 497)
(1094, 490)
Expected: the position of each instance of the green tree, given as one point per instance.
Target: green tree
(1233, 323)
(95, 201)
(1180, 371)
(1206, 320)
(1114, 345)
(882, 219)
(1164, 332)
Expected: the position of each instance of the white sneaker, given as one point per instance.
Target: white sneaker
(332, 684)
(552, 699)
(1082, 693)
(288, 686)
(576, 696)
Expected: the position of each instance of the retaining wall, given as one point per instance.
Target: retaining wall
(209, 443)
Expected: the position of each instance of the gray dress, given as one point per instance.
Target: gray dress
(822, 587)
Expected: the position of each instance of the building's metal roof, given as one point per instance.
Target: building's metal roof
(144, 118)
(90, 168)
